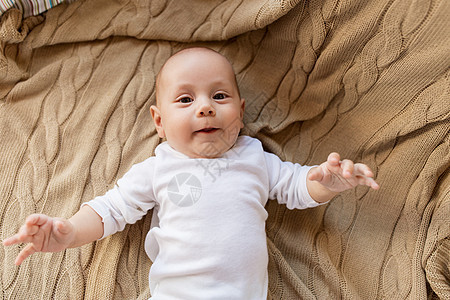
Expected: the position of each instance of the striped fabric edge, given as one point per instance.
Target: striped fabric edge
(30, 7)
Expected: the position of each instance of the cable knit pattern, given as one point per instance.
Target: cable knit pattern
(369, 79)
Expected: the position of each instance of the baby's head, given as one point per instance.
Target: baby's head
(199, 109)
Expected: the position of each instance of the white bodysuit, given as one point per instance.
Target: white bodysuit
(210, 242)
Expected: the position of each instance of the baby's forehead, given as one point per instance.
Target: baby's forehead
(199, 57)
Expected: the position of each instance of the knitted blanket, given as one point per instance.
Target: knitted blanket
(368, 79)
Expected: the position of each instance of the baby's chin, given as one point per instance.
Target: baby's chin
(207, 150)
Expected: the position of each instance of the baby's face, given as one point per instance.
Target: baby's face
(199, 109)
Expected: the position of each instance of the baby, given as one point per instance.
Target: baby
(207, 185)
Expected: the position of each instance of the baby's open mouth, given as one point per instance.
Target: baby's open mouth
(208, 130)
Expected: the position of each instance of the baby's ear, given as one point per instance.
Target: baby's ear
(157, 120)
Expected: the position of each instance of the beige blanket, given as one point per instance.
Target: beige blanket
(369, 79)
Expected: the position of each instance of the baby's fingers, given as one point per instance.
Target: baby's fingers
(22, 236)
(315, 174)
(334, 159)
(11, 241)
(364, 170)
(347, 168)
(27, 251)
(365, 176)
(27, 231)
(37, 220)
(368, 181)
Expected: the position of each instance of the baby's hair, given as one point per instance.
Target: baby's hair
(158, 76)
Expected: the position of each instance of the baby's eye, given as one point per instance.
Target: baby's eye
(186, 100)
(219, 96)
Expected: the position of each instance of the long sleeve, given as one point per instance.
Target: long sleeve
(129, 200)
(287, 183)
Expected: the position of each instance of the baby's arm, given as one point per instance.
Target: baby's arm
(47, 234)
(334, 176)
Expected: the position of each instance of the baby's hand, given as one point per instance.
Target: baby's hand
(338, 176)
(43, 234)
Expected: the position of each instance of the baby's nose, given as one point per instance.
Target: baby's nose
(210, 112)
(206, 109)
